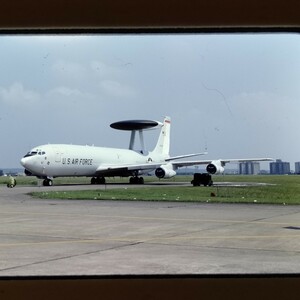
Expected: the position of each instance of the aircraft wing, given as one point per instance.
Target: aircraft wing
(240, 160)
(104, 169)
(185, 156)
(127, 169)
(180, 164)
(221, 161)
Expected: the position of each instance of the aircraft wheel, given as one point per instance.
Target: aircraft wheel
(136, 180)
(100, 180)
(47, 182)
(93, 180)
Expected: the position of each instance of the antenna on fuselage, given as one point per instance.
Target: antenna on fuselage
(134, 126)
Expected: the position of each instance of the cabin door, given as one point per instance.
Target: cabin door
(57, 155)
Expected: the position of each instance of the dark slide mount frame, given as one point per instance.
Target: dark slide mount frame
(136, 16)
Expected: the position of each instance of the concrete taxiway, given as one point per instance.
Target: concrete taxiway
(71, 237)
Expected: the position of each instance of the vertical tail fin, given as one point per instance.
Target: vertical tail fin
(163, 143)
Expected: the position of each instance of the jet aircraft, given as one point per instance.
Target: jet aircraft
(62, 160)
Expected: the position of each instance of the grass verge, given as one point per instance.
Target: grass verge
(283, 190)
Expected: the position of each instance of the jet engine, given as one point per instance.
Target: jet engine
(165, 171)
(215, 167)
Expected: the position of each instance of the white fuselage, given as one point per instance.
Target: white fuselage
(58, 160)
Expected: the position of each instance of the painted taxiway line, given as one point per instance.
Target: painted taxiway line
(150, 240)
(76, 215)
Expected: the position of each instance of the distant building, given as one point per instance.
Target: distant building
(1, 173)
(280, 167)
(297, 167)
(249, 168)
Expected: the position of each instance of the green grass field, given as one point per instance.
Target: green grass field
(283, 190)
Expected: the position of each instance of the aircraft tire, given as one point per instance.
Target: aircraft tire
(93, 180)
(136, 180)
(47, 182)
(100, 180)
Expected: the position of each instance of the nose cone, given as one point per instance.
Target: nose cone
(23, 162)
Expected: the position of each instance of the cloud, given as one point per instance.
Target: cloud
(70, 72)
(17, 95)
(117, 89)
(68, 101)
(90, 76)
(68, 92)
(264, 106)
(102, 70)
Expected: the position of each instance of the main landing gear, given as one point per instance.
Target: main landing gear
(136, 180)
(132, 180)
(47, 182)
(98, 180)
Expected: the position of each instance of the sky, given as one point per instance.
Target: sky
(234, 95)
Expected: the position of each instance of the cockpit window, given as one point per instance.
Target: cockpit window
(31, 153)
(35, 152)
